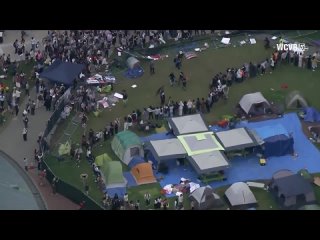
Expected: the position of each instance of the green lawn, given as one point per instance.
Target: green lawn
(199, 72)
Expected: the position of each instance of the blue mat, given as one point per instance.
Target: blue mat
(130, 179)
(120, 191)
(244, 169)
(134, 73)
(175, 173)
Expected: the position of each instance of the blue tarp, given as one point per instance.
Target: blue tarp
(136, 160)
(62, 72)
(271, 130)
(311, 114)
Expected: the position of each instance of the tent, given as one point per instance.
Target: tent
(102, 159)
(135, 161)
(143, 174)
(64, 149)
(62, 72)
(132, 63)
(295, 100)
(240, 195)
(254, 104)
(237, 139)
(276, 140)
(199, 143)
(127, 145)
(204, 198)
(187, 124)
(112, 173)
(311, 114)
(167, 149)
(209, 162)
(292, 190)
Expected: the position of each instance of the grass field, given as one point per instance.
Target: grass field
(199, 72)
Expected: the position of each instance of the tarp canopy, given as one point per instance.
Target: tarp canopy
(277, 140)
(112, 172)
(143, 173)
(167, 149)
(311, 114)
(101, 159)
(236, 139)
(188, 124)
(240, 194)
(295, 100)
(204, 198)
(254, 103)
(62, 72)
(209, 162)
(127, 145)
(200, 143)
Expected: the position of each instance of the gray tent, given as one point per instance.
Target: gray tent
(209, 162)
(132, 62)
(237, 139)
(254, 104)
(239, 194)
(167, 149)
(295, 100)
(292, 190)
(188, 124)
(204, 198)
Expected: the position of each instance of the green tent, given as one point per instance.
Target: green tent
(127, 145)
(112, 173)
(102, 159)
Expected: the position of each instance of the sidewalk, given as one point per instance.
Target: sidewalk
(11, 141)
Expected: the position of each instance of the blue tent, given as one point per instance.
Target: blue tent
(62, 72)
(278, 145)
(311, 114)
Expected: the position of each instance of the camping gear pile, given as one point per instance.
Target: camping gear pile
(98, 79)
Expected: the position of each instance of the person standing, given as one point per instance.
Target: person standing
(25, 161)
(147, 197)
(24, 134)
(25, 121)
(152, 70)
(27, 89)
(125, 97)
(33, 107)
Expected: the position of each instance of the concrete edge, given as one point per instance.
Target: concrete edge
(35, 192)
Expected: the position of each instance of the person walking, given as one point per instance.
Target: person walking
(25, 121)
(25, 161)
(24, 134)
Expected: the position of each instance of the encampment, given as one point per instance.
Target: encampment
(204, 198)
(127, 145)
(295, 100)
(254, 104)
(143, 173)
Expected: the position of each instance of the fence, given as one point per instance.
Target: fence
(71, 192)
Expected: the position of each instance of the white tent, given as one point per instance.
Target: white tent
(167, 149)
(240, 194)
(249, 101)
(295, 100)
(204, 198)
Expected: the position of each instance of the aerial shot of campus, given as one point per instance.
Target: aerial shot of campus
(159, 120)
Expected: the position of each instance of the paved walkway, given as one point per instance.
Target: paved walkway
(11, 141)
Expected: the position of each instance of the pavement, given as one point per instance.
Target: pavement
(11, 141)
